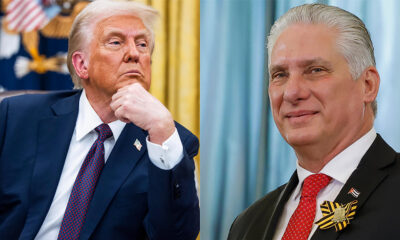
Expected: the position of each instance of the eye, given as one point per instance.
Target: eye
(279, 75)
(114, 42)
(317, 70)
(141, 44)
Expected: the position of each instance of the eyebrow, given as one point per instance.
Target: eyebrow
(315, 61)
(277, 68)
(302, 63)
(118, 32)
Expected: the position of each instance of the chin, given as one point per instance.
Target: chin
(145, 86)
(300, 138)
(125, 83)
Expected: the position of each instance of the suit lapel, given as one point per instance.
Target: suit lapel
(120, 163)
(279, 206)
(369, 173)
(54, 136)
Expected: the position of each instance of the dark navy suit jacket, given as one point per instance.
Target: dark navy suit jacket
(133, 198)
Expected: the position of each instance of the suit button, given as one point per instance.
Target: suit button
(177, 191)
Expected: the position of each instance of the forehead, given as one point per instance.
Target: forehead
(126, 24)
(305, 41)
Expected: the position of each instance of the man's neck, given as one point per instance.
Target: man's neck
(101, 105)
(314, 157)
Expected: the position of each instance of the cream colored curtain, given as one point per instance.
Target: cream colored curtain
(176, 60)
(175, 76)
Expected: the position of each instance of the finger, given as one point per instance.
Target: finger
(132, 90)
(122, 98)
(117, 95)
(122, 101)
(115, 104)
(121, 92)
(120, 113)
(131, 87)
(125, 120)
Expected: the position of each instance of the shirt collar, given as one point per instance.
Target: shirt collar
(88, 120)
(342, 165)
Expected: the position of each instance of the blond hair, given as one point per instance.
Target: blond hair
(84, 25)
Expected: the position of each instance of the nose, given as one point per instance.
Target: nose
(131, 52)
(296, 89)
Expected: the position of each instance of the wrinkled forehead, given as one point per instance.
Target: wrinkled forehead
(120, 23)
(114, 23)
(304, 41)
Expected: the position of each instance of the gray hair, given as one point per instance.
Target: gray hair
(354, 40)
(84, 25)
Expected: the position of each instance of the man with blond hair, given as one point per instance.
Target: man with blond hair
(322, 89)
(105, 161)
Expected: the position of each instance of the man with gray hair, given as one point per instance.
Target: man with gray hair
(322, 89)
(105, 161)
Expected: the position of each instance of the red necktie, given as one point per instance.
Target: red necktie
(300, 224)
(83, 188)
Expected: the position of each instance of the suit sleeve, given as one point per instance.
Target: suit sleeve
(172, 197)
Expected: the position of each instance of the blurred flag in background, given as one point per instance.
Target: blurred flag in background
(29, 15)
(33, 43)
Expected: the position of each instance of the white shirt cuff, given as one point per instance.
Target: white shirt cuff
(167, 155)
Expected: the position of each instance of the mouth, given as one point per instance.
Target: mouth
(299, 114)
(300, 117)
(135, 73)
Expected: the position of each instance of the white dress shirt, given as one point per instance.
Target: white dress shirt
(339, 169)
(164, 156)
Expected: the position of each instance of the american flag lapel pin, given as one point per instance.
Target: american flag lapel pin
(137, 144)
(354, 192)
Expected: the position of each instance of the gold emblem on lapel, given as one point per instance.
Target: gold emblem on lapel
(137, 144)
(339, 215)
(336, 215)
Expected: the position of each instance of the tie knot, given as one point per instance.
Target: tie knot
(313, 184)
(104, 132)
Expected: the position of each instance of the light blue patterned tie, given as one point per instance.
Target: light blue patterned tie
(83, 188)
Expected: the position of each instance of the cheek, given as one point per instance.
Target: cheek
(108, 58)
(146, 61)
(275, 97)
(147, 68)
(104, 68)
(111, 60)
(340, 101)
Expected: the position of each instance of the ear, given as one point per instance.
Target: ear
(80, 64)
(371, 82)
